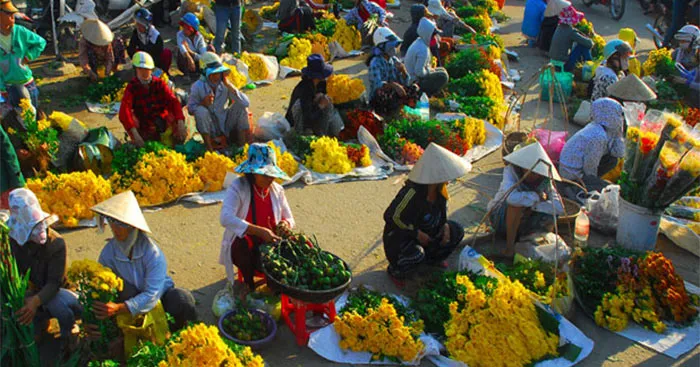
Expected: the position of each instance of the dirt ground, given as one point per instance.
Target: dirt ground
(347, 217)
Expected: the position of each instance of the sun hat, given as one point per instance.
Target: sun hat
(96, 32)
(125, 208)
(385, 34)
(143, 60)
(25, 214)
(317, 67)
(570, 16)
(526, 157)
(262, 161)
(554, 7)
(629, 35)
(190, 20)
(438, 165)
(143, 16)
(689, 33)
(211, 64)
(616, 45)
(6, 6)
(631, 88)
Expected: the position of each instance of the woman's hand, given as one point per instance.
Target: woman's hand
(399, 89)
(265, 234)
(107, 310)
(423, 238)
(25, 315)
(92, 331)
(543, 196)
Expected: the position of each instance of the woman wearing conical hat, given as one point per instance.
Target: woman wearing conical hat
(528, 207)
(416, 229)
(96, 50)
(136, 258)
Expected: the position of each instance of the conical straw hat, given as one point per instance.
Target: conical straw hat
(124, 208)
(438, 165)
(526, 157)
(96, 32)
(631, 88)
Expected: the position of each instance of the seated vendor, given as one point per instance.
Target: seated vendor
(41, 251)
(418, 60)
(631, 89)
(136, 258)
(550, 22)
(147, 38)
(389, 88)
(98, 53)
(616, 53)
(310, 109)
(190, 46)
(688, 55)
(220, 110)
(630, 36)
(254, 206)
(594, 150)
(569, 45)
(418, 12)
(416, 229)
(295, 16)
(447, 19)
(524, 205)
(358, 16)
(149, 108)
(532, 20)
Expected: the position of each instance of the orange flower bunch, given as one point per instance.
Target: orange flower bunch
(668, 286)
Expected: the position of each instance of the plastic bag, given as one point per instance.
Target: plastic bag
(552, 142)
(264, 299)
(152, 326)
(224, 301)
(272, 66)
(603, 208)
(271, 126)
(634, 113)
(542, 246)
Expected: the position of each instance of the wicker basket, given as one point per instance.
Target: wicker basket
(511, 141)
(571, 211)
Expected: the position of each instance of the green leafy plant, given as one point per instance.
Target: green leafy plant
(467, 61)
(147, 354)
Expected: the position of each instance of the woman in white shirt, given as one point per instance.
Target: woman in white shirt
(254, 206)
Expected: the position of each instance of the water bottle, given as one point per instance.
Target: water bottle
(582, 228)
(424, 107)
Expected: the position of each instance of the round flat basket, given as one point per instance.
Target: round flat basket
(511, 141)
(306, 295)
(571, 211)
(268, 321)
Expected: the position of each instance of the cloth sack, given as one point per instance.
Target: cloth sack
(583, 114)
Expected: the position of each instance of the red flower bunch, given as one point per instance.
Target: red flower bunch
(691, 115)
(647, 142)
(457, 145)
(668, 286)
(357, 118)
(355, 153)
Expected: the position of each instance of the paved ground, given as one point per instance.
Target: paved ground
(347, 218)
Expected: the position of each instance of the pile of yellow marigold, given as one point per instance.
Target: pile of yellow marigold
(347, 36)
(201, 345)
(71, 195)
(256, 66)
(285, 161)
(299, 50)
(341, 88)
(329, 156)
(237, 79)
(212, 168)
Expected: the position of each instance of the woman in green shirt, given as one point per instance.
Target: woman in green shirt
(10, 172)
(18, 45)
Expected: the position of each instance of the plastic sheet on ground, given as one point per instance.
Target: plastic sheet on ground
(105, 109)
(494, 139)
(325, 343)
(379, 170)
(680, 234)
(674, 342)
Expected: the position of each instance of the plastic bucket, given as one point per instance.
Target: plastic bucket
(637, 227)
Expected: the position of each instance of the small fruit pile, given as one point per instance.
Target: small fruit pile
(297, 261)
(245, 325)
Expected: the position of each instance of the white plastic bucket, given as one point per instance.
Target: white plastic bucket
(637, 227)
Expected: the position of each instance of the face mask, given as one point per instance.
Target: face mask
(624, 63)
(39, 233)
(145, 82)
(391, 51)
(126, 245)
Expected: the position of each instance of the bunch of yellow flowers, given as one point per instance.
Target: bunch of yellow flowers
(285, 161)
(347, 35)
(160, 178)
(500, 330)
(299, 50)
(329, 156)
(201, 345)
(251, 19)
(256, 66)
(492, 85)
(661, 55)
(612, 313)
(381, 332)
(319, 45)
(269, 11)
(616, 309)
(471, 130)
(341, 88)
(205, 33)
(107, 99)
(62, 120)
(237, 79)
(212, 168)
(70, 195)
(95, 281)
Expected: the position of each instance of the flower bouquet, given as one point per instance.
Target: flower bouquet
(342, 89)
(256, 66)
(70, 195)
(538, 277)
(379, 324)
(481, 83)
(95, 282)
(40, 138)
(19, 347)
(360, 117)
(470, 60)
(212, 169)
(239, 80)
(659, 63)
(615, 285)
(328, 155)
(297, 53)
(269, 12)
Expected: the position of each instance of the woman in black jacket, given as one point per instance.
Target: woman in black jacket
(417, 230)
(146, 38)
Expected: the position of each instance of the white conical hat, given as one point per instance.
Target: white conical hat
(438, 165)
(124, 208)
(526, 156)
(631, 88)
(554, 7)
(96, 32)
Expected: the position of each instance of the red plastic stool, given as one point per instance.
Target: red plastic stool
(298, 326)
